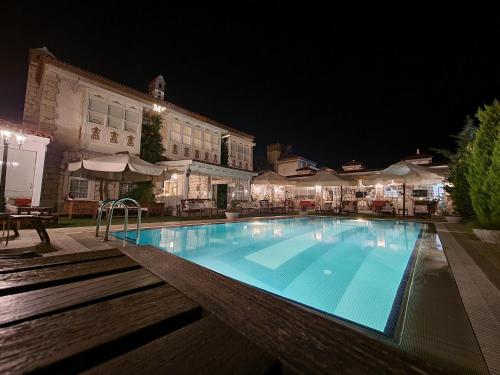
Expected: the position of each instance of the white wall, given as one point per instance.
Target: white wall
(25, 169)
(180, 132)
(288, 168)
(238, 159)
(77, 127)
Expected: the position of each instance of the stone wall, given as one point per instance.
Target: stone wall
(32, 98)
(48, 103)
(53, 178)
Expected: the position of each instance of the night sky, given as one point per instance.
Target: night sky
(334, 85)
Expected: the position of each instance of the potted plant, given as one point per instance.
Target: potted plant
(232, 213)
(451, 217)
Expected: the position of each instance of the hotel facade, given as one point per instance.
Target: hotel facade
(89, 115)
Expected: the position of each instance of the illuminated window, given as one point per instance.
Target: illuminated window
(113, 113)
(186, 138)
(233, 149)
(391, 191)
(215, 142)
(79, 187)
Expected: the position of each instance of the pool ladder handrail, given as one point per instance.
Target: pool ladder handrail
(122, 203)
(99, 214)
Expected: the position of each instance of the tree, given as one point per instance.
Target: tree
(492, 184)
(480, 163)
(151, 140)
(224, 153)
(458, 186)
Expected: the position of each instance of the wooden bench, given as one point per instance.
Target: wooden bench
(80, 208)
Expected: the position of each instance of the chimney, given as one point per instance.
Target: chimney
(156, 88)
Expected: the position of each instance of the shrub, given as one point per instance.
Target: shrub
(458, 186)
(143, 192)
(492, 184)
(481, 170)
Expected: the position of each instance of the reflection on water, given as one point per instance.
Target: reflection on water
(349, 268)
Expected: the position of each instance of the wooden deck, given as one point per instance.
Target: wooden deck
(103, 312)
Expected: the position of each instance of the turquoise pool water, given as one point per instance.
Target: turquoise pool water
(353, 269)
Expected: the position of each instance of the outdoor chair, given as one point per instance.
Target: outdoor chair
(249, 207)
(289, 206)
(264, 206)
(278, 207)
(377, 205)
(421, 209)
(387, 209)
(209, 207)
(349, 207)
(326, 208)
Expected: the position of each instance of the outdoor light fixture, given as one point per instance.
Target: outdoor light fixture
(14, 140)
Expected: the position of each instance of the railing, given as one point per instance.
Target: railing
(99, 214)
(121, 202)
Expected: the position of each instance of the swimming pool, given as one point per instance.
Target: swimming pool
(352, 269)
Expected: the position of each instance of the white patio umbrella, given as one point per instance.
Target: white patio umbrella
(404, 173)
(271, 178)
(121, 166)
(325, 178)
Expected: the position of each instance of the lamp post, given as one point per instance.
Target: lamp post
(8, 138)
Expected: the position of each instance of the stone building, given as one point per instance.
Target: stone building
(89, 115)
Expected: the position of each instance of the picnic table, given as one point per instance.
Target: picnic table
(29, 210)
(13, 222)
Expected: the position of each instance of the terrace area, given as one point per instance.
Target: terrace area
(241, 326)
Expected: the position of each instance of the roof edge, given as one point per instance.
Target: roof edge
(47, 59)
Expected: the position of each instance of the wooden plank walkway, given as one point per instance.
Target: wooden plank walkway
(101, 312)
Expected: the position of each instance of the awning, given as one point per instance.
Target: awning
(120, 166)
